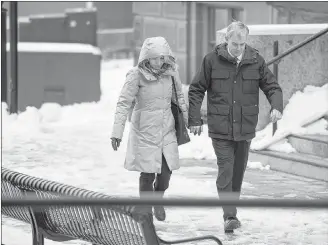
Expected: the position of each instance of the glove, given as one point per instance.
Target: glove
(116, 143)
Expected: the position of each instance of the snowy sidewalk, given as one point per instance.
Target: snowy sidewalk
(260, 225)
(266, 183)
(197, 178)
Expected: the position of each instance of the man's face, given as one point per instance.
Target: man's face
(236, 43)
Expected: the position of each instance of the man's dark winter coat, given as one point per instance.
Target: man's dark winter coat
(232, 93)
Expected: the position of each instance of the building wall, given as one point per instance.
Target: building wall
(36, 8)
(114, 15)
(63, 77)
(114, 21)
(286, 16)
(167, 19)
(256, 13)
(300, 13)
(110, 15)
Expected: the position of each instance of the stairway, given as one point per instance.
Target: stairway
(311, 159)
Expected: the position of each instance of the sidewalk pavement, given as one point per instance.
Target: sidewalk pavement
(269, 226)
(269, 183)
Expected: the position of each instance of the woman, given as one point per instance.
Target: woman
(152, 146)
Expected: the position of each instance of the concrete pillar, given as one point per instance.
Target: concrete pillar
(192, 44)
(198, 37)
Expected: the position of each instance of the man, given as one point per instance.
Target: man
(232, 74)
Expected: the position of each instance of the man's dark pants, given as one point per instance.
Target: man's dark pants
(232, 157)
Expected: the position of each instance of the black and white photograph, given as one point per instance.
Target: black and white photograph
(164, 122)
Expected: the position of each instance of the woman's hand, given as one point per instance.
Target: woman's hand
(116, 143)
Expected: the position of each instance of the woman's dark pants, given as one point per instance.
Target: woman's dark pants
(147, 187)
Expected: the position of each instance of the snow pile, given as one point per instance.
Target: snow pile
(303, 108)
(258, 165)
(50, 112)
(199, 147)
(303, 105)
(318, 127)
(15, 124)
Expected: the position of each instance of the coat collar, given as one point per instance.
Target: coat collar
(249, 56)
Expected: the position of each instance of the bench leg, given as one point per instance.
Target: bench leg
(38, 238)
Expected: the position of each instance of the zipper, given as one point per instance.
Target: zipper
(232, 100)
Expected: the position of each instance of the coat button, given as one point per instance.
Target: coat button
(234, 82)
(234, 101)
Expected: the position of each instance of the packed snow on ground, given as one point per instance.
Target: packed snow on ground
(70, 144)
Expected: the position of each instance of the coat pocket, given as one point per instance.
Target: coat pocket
(251, 81)
(218, 119)
(249, 119)
(220, 81)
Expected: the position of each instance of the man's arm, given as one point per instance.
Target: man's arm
(270, 87)
(197, 90)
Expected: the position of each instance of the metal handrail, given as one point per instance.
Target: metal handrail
(297, 46)
(182, 202)
(278, 58)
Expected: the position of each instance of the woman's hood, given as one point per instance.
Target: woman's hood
(154, 47)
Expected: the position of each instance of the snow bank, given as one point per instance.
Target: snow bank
(302, 106)
(258, 165)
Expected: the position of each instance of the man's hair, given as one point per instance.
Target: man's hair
(238, 27)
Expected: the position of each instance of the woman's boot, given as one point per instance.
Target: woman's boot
(159, 211)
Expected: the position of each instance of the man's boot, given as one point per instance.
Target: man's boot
(230, 224)
(159, 213)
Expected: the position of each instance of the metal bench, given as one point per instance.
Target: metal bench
(112, 225)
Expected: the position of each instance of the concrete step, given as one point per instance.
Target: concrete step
(300, 164)
(310, 144)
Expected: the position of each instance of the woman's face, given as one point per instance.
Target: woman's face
(157, 62)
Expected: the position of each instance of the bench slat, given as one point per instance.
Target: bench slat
(112, 225)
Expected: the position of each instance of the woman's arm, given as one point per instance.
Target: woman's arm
(124, 104)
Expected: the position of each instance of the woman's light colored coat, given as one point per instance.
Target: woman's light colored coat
(152, 130)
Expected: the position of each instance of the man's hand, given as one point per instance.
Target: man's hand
(275, 115)
(116, 143)
(196, 130)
